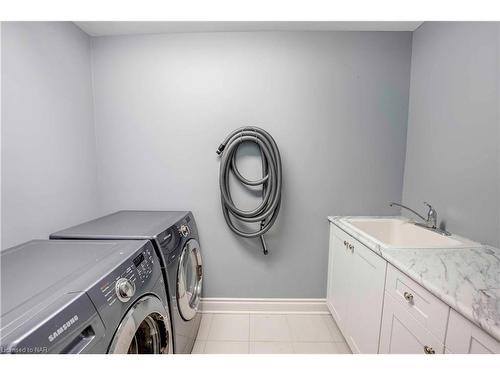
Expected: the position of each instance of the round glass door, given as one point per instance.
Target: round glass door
(189, 280)
(145, 329)
(147, 338)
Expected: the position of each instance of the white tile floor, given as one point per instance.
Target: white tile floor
(269, 334)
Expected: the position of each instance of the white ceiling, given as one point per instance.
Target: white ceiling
(102, 28)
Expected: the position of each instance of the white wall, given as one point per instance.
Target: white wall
(453, 146)
(48, 142)
(336, 103)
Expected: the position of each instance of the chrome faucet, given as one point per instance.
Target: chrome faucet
(407, 208)
(430, 222)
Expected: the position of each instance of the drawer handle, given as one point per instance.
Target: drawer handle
(429, 350)
(408, 297)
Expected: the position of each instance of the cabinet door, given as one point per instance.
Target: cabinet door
(464, 337)
(402, 334)
(366, 298)
(339, 274)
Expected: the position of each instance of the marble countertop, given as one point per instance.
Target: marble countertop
(466, 279)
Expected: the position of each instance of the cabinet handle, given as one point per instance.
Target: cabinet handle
(351, 247)
(408, 297)
(429, 350)
(346, 244)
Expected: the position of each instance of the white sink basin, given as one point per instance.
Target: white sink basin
(401, 233)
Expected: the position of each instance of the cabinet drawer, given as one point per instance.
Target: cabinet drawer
(428, 310)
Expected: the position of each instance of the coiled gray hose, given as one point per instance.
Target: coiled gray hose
(267, 212)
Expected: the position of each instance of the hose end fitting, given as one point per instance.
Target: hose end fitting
(221, 148)
(264, 245)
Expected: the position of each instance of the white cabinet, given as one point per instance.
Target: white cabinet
(429, 311)
(339, 276)
(401, 333)
(387, 312)
(464, 337)
(413, 321)
(355, 290)
(366, 299)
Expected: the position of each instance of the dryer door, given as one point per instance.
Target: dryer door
(189, 280)
(145, 329)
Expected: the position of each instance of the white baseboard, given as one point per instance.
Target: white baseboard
(264, 306)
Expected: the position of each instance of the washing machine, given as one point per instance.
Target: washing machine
(83, 297)
(174, 236)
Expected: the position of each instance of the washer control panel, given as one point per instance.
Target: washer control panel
(144, 264)
(123, 283)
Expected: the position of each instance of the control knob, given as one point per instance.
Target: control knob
(124, 289)
(184, 230)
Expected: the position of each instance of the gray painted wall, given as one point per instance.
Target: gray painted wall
(452, 157)
(49, 177)
(336, 103)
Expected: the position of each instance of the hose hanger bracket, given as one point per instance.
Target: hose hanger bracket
(267, 211)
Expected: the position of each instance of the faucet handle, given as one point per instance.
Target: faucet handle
(431, 216)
